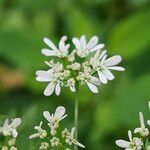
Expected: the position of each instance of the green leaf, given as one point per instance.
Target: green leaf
(79, 24)
(123, 108)
(132, 35)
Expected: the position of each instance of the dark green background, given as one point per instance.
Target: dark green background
(124, 25)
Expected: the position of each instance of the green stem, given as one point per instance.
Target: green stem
(76, 120)
(145, 142)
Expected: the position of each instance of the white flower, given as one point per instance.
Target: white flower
(4, 148)
(71, 57)
(91, 81)
(84, 48)
(12, 142)
(41, 132)
(44, 146)
(71, 83)
(102, 65)
(71, 71)
(10, 129)
(54, 142)
(142, 130)
(62, 51)
(70, 138)
(50, 76)
(134, 143)
(75, 66)
(13, 148)
(65, 132)
(55, 118)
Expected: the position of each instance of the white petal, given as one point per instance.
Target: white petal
(14, 133)
(83, 42)
(38, 127)
(108, 74)
(50, 43)
(44, 75)
(102, 77)
(148, 122)
(67, 46)
(57, 89)
(98, 47)
(112, 61)
(62, 42)
(79, 144)
(41, 79)
(92, 43)
(122, 143)
(102, 54)
(97, 54)
(92, 87)
(47, 116)
(95, 80)
(130, 135)
(6, 123)
(76, 42)
(137, 130)
(41, 124)
(34, 136)
(16, 122)
(73, 131)
(141, 120)
(103, 59)
(72, 88)
(48, 52)
(49, 89)
(60, 111)
(116, 68)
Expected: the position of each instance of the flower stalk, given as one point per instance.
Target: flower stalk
(76, 109)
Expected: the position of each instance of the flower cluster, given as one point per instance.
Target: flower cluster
(57, 138)
(86, 64)
(9, 133)
(139, 142)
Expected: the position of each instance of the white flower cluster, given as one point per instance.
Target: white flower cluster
(87, 64)
(141, 141)
(53, 139)
(9, 131)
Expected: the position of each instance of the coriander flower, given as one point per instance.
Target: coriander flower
(10, 129)
(12, 142)
(62, 51)
(54, 76)
(70, 137)
(56, 137)
(71, 84)
(41, 132)
(103, 65)
(142, 130)
(55, 118)
(4, 148)
(134, 143)
(13, 148)
(84, 48)
(76, 67)
(44, 146)
(54, 142)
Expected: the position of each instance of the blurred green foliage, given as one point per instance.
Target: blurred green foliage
(124, 25)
